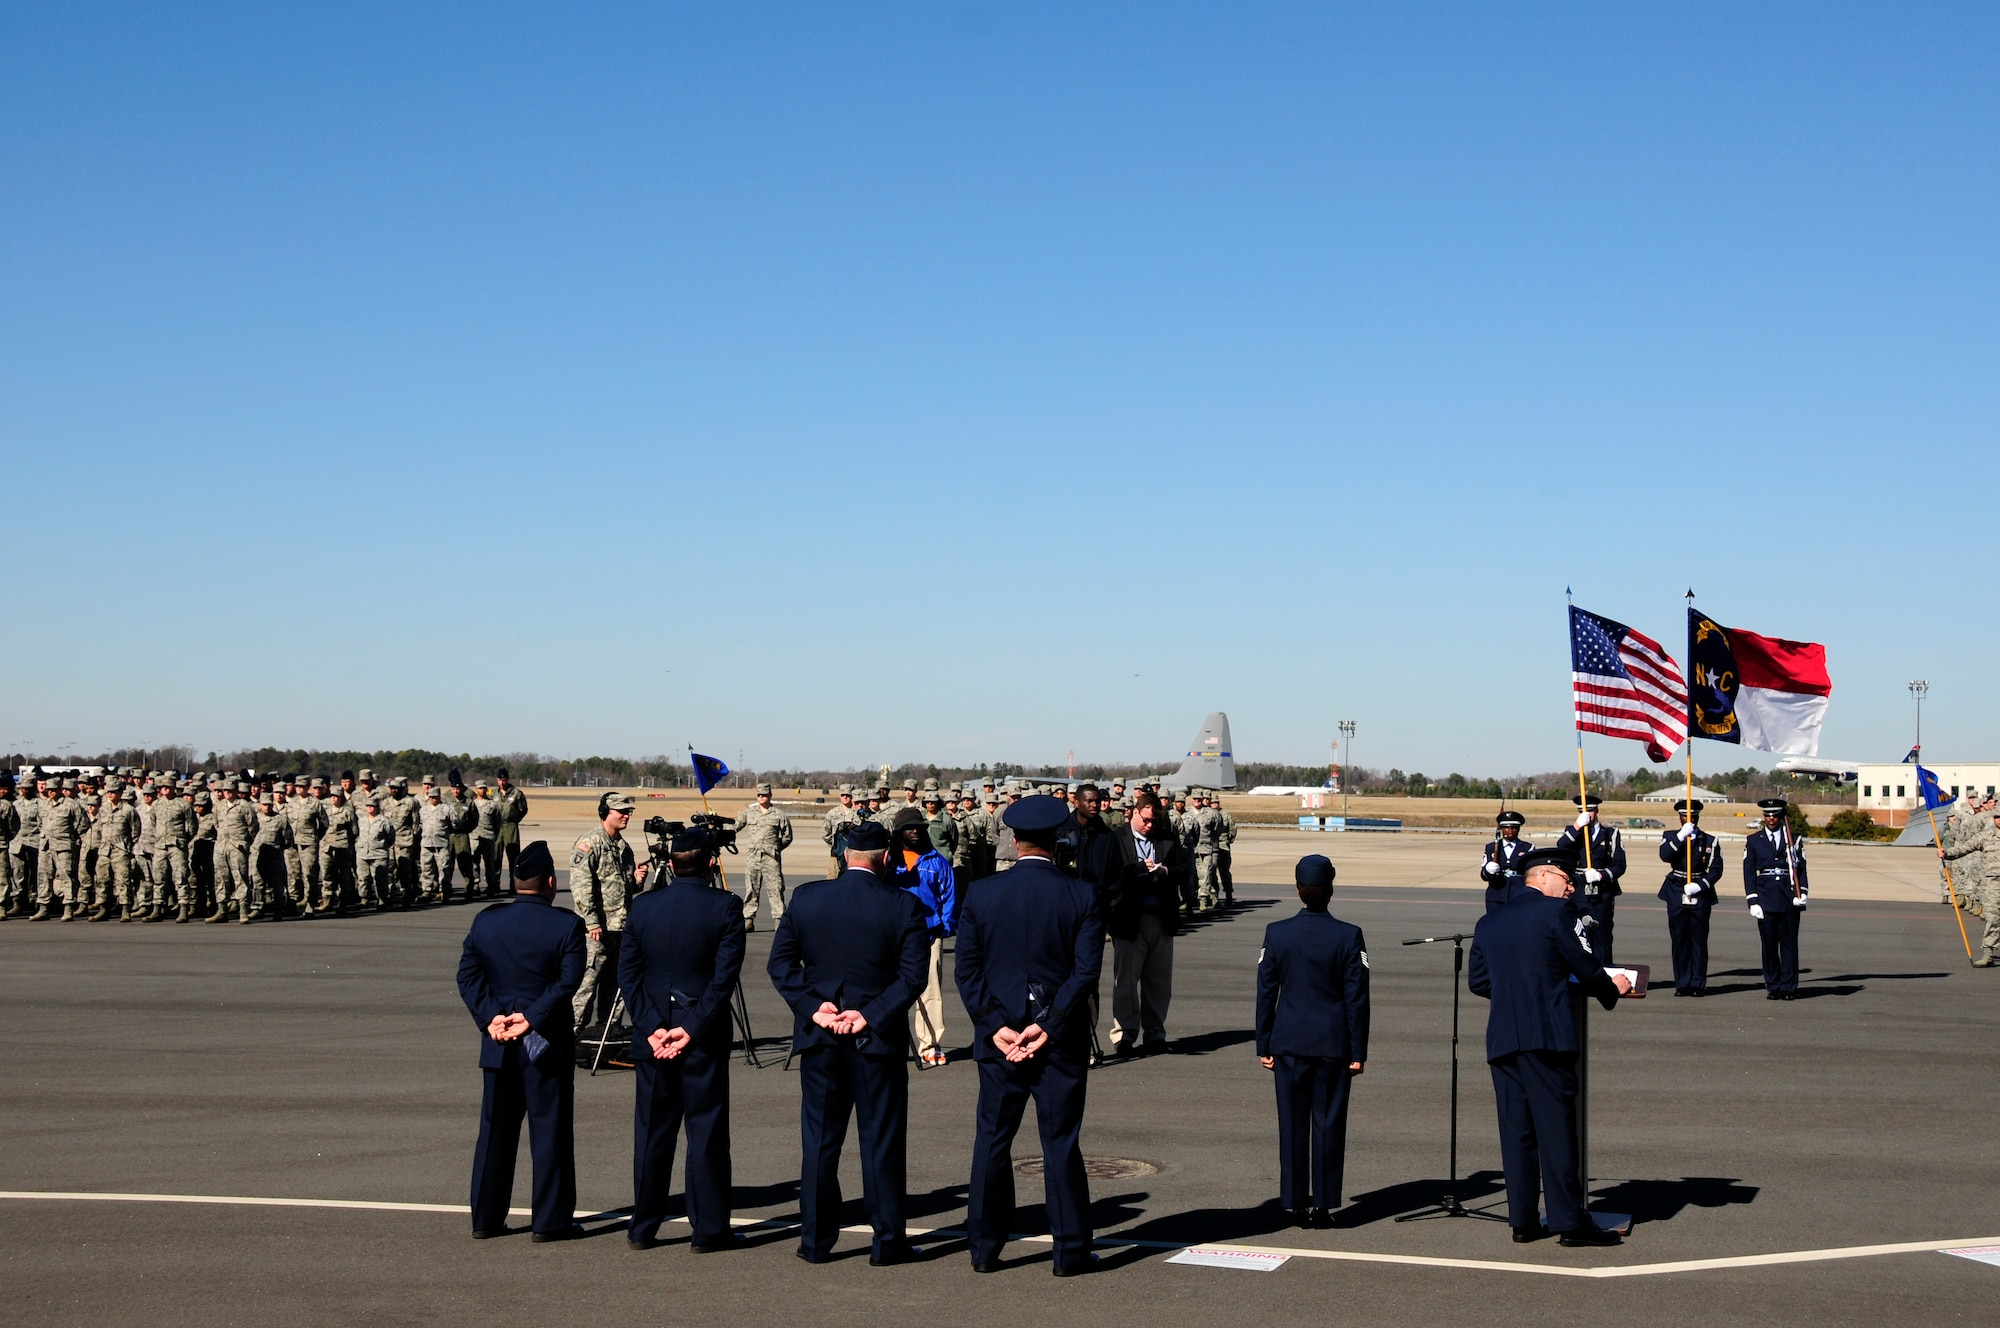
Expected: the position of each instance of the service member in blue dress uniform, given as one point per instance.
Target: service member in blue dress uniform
(1598, 875)
(1690, 899)
(849, 958)
(1030, 946)
(1524, 955)
(522, 963)
(678, 966)
(1774, 881)
(1500, 872)
(1312, 1034)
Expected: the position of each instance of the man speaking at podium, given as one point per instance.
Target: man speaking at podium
(1523, 957)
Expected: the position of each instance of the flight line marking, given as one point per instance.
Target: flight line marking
(1296, 1252)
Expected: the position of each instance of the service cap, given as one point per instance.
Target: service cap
(1510, 817)
(1692, 810)
(1036, 814)
(1549, 856)
(1592, 801)
(1314, 869)
(1771, 806)
(534, 862)
(868, 837)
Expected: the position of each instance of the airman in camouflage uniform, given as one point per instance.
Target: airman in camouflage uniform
(307, 815)
(26, 850)
(513, 811)
(63, 823)
(1206, 824)
(399, 809)
(1972, 841)
(1986, 888)
(839, 820)
(601, 881)
(336, 853)
(464, 820)
(236, 827)
(117, 829)
(173, 831)
(486, 818)
(201, 852)
(10, 833)
(1226, 858)
(975, 842)
(943, 830)
(1955, 822)
(270, 850)
(763, 833)
(375, 853)
(436, 820)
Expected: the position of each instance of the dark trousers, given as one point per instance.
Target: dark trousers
(1780, 934)
(1057, 1087)
(546, 1095)
(1312, 1129)
(834, 1082)
(1603, 908)
(693, 1087)
(1687, 929)
(1535, 1092)
(1223, 873)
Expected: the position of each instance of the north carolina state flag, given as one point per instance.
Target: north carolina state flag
(1760, 691)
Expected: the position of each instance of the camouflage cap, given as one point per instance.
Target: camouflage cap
(265, 799)
(619, 802)
(113, 784)
(318, 781)
(131, 794)
(481, 786)
(365, 774)
(374, 803)
(764, 790)
(399, 781)
(432, 779)
(909, 786)
(201, 798)
(434, 792)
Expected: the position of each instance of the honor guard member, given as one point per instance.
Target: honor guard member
(600, 885)
(485, 838)
(763, 833)
(1774, 880)
(1523, 957)
(521, 964)
(513, 810)
(678, 968)
(1501, 871)
(1599, 873)
(838, 819)
(1312, 1034)
(1690, 898)
(849, 960)
(1029, 952)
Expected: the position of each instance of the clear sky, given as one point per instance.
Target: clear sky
(844, 383)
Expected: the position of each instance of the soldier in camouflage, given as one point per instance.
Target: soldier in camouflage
(601, 881)
(763, 833)
(513, 810)
(270, 849)
(1204, 826)
(437, 820)
(236, 826)
(375, 854)
(173, 832)
(10, 834)
(201, 852)
(486, 819)
(839, 820)
(1972, 842)
(62, 826)
(399, 809)
(943, 830)
(307, 813)
(336, 852)
(117, 829)
(975, 841)
(1226, 856)
(465, 819)
(26, 850)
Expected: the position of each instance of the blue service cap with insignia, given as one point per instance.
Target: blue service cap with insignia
(692, 839)
(868, 837)
(534, 862)
(1038, 813)
(1550, 856)
(1316, 870)
(1771, 806)
(1691, 809)
(1512, 818)
(1592, 801)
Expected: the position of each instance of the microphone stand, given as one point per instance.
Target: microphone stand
(1449, 1205)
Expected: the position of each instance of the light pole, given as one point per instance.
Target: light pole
(1918, 690)
(1346, 760)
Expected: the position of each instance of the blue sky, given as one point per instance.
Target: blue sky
(972, 381)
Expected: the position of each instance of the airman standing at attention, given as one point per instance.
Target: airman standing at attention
(336, 852)
(975, 841)
(1210, 833)
(88, 901)
(26, 848)
(173, 833)
(943, 830)
(10, 832)
(1775, 887)
(307, 814)
(763, 833)
(435, 822)
(146, 898)
(601, 881)
(270, 857)
(235, 827)
(465, 819)
(486, 837)
(375, 854)
(1599, 868)
(513, 810)
(201, 853)
(63, 823)
(1690, 899)
(1501, 871)
(399, 809)
(838, 821)
(117, 833)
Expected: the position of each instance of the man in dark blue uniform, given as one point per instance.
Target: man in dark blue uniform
(522, 963)
(849, 958)
(1690, 898)
(1501, 870)
(1774, 880)
(1312, 1034)
(1030, 945)
(1598, 872)
(678, 966)
(1524, 956)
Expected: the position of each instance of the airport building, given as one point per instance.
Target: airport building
(1892, 787)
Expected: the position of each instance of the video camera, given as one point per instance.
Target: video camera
(720, 832)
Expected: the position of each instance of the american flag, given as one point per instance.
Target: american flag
(1624, 685)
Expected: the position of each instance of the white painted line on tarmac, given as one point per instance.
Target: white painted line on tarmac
(1291, 1251)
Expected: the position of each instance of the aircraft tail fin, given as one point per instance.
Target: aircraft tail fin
(1211, 761)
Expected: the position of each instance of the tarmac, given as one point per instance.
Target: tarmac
(1782, 1162)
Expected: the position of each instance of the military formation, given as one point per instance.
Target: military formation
(156, 846)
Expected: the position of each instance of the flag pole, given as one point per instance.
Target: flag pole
(1944, 862)
(1688, 747)
(1582, 792)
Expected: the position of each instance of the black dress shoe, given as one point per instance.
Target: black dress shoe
(570, 1232)
(1590, 1235)
(643, 1242)
(989, 1266)
(728, 1240)
(1788, 995)
(1087, 1264)
(1697, 991)
(1302, 1218)
(803, 1253)
(1529, 1235)
(895, 1252)
(1319, 1219)
(1772, 996)
(1682, 991)
(478, 1234)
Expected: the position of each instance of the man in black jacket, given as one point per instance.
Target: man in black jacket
(1140, 876)
(849, 958)
(678, 966)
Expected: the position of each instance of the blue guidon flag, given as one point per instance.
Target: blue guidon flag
(1934, 797)
(708, 771)
(1624, 685)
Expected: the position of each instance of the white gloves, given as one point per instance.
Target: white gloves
(1692, 890)
(1687, 832)
(1583, 820)
(1757, 911)
(1800, 903)
(1591, 876)
(1490, 869)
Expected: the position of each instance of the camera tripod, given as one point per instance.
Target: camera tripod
(739, 1010)
(1450, 1205)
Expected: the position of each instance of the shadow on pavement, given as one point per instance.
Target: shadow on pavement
(1203, 1043)
(1662, 1200)
(1208, 1225)
(1409, 1196)
(1879, 977)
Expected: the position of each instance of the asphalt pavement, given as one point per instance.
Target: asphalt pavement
(331, 1060)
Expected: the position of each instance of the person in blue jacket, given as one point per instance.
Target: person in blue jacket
(926, 873)
(1774, 883)
(1523, 958)
(1690, 899)
(1312, 1034)
(678, 966)
(849, 958)
(521, 964)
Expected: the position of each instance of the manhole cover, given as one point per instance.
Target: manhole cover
(1097, 1168)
